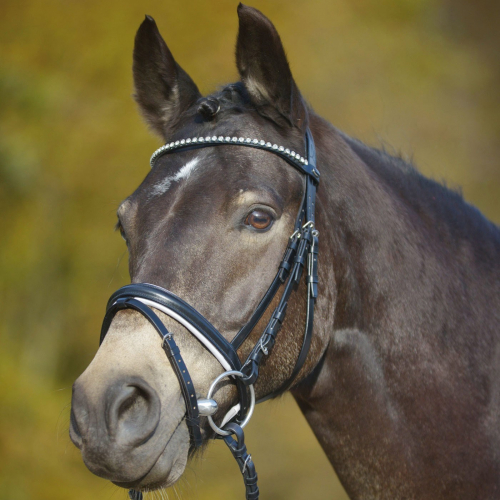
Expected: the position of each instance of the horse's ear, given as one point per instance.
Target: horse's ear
(264, 69)
(163, 90)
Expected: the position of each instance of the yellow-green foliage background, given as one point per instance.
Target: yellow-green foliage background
(419, 75)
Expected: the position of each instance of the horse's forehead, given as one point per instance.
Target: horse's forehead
(227, 169)
(181, 174)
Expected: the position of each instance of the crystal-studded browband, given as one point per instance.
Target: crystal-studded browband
(289, 155)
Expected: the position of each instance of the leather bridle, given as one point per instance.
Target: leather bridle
(301, 252)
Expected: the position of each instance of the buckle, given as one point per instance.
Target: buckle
(263, 347)
(167, 337)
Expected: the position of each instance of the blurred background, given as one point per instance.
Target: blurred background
(419, 77)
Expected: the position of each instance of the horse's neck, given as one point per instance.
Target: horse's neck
(390, 235)
(412, 331)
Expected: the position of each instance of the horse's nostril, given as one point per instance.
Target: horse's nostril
(134, 403)
(132, 412)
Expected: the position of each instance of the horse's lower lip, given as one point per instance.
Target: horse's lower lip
(136, 484)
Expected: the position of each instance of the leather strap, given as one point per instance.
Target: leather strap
(175, 358)
(280, 278)
(312, 280)
(309, 170)
(244, 459)
(267, 340)
(312, 180)
(168, 299)
(183, 309)
(305, 250)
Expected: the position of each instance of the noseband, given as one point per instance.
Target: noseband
(301, 252)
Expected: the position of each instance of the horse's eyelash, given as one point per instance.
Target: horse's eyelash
(119, 227)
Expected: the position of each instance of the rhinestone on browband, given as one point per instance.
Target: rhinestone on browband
(226, 140)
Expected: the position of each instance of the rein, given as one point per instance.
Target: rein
(301, 252)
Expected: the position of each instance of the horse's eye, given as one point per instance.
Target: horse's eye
(259, 220)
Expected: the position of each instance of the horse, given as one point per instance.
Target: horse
(401, 383)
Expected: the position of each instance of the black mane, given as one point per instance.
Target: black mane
(443, 210)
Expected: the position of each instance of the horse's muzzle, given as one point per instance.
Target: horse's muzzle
(114, 430)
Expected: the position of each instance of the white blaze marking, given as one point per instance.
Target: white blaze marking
(183, 173)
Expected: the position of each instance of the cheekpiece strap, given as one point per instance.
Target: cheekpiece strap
(301, 253)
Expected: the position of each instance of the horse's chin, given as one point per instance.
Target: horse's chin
(168, 468)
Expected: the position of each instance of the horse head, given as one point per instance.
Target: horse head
(210, 225)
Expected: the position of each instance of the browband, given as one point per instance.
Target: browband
(304, 165)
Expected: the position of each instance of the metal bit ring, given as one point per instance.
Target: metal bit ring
(211, 422)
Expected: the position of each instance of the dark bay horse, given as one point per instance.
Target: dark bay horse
(402, 381)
